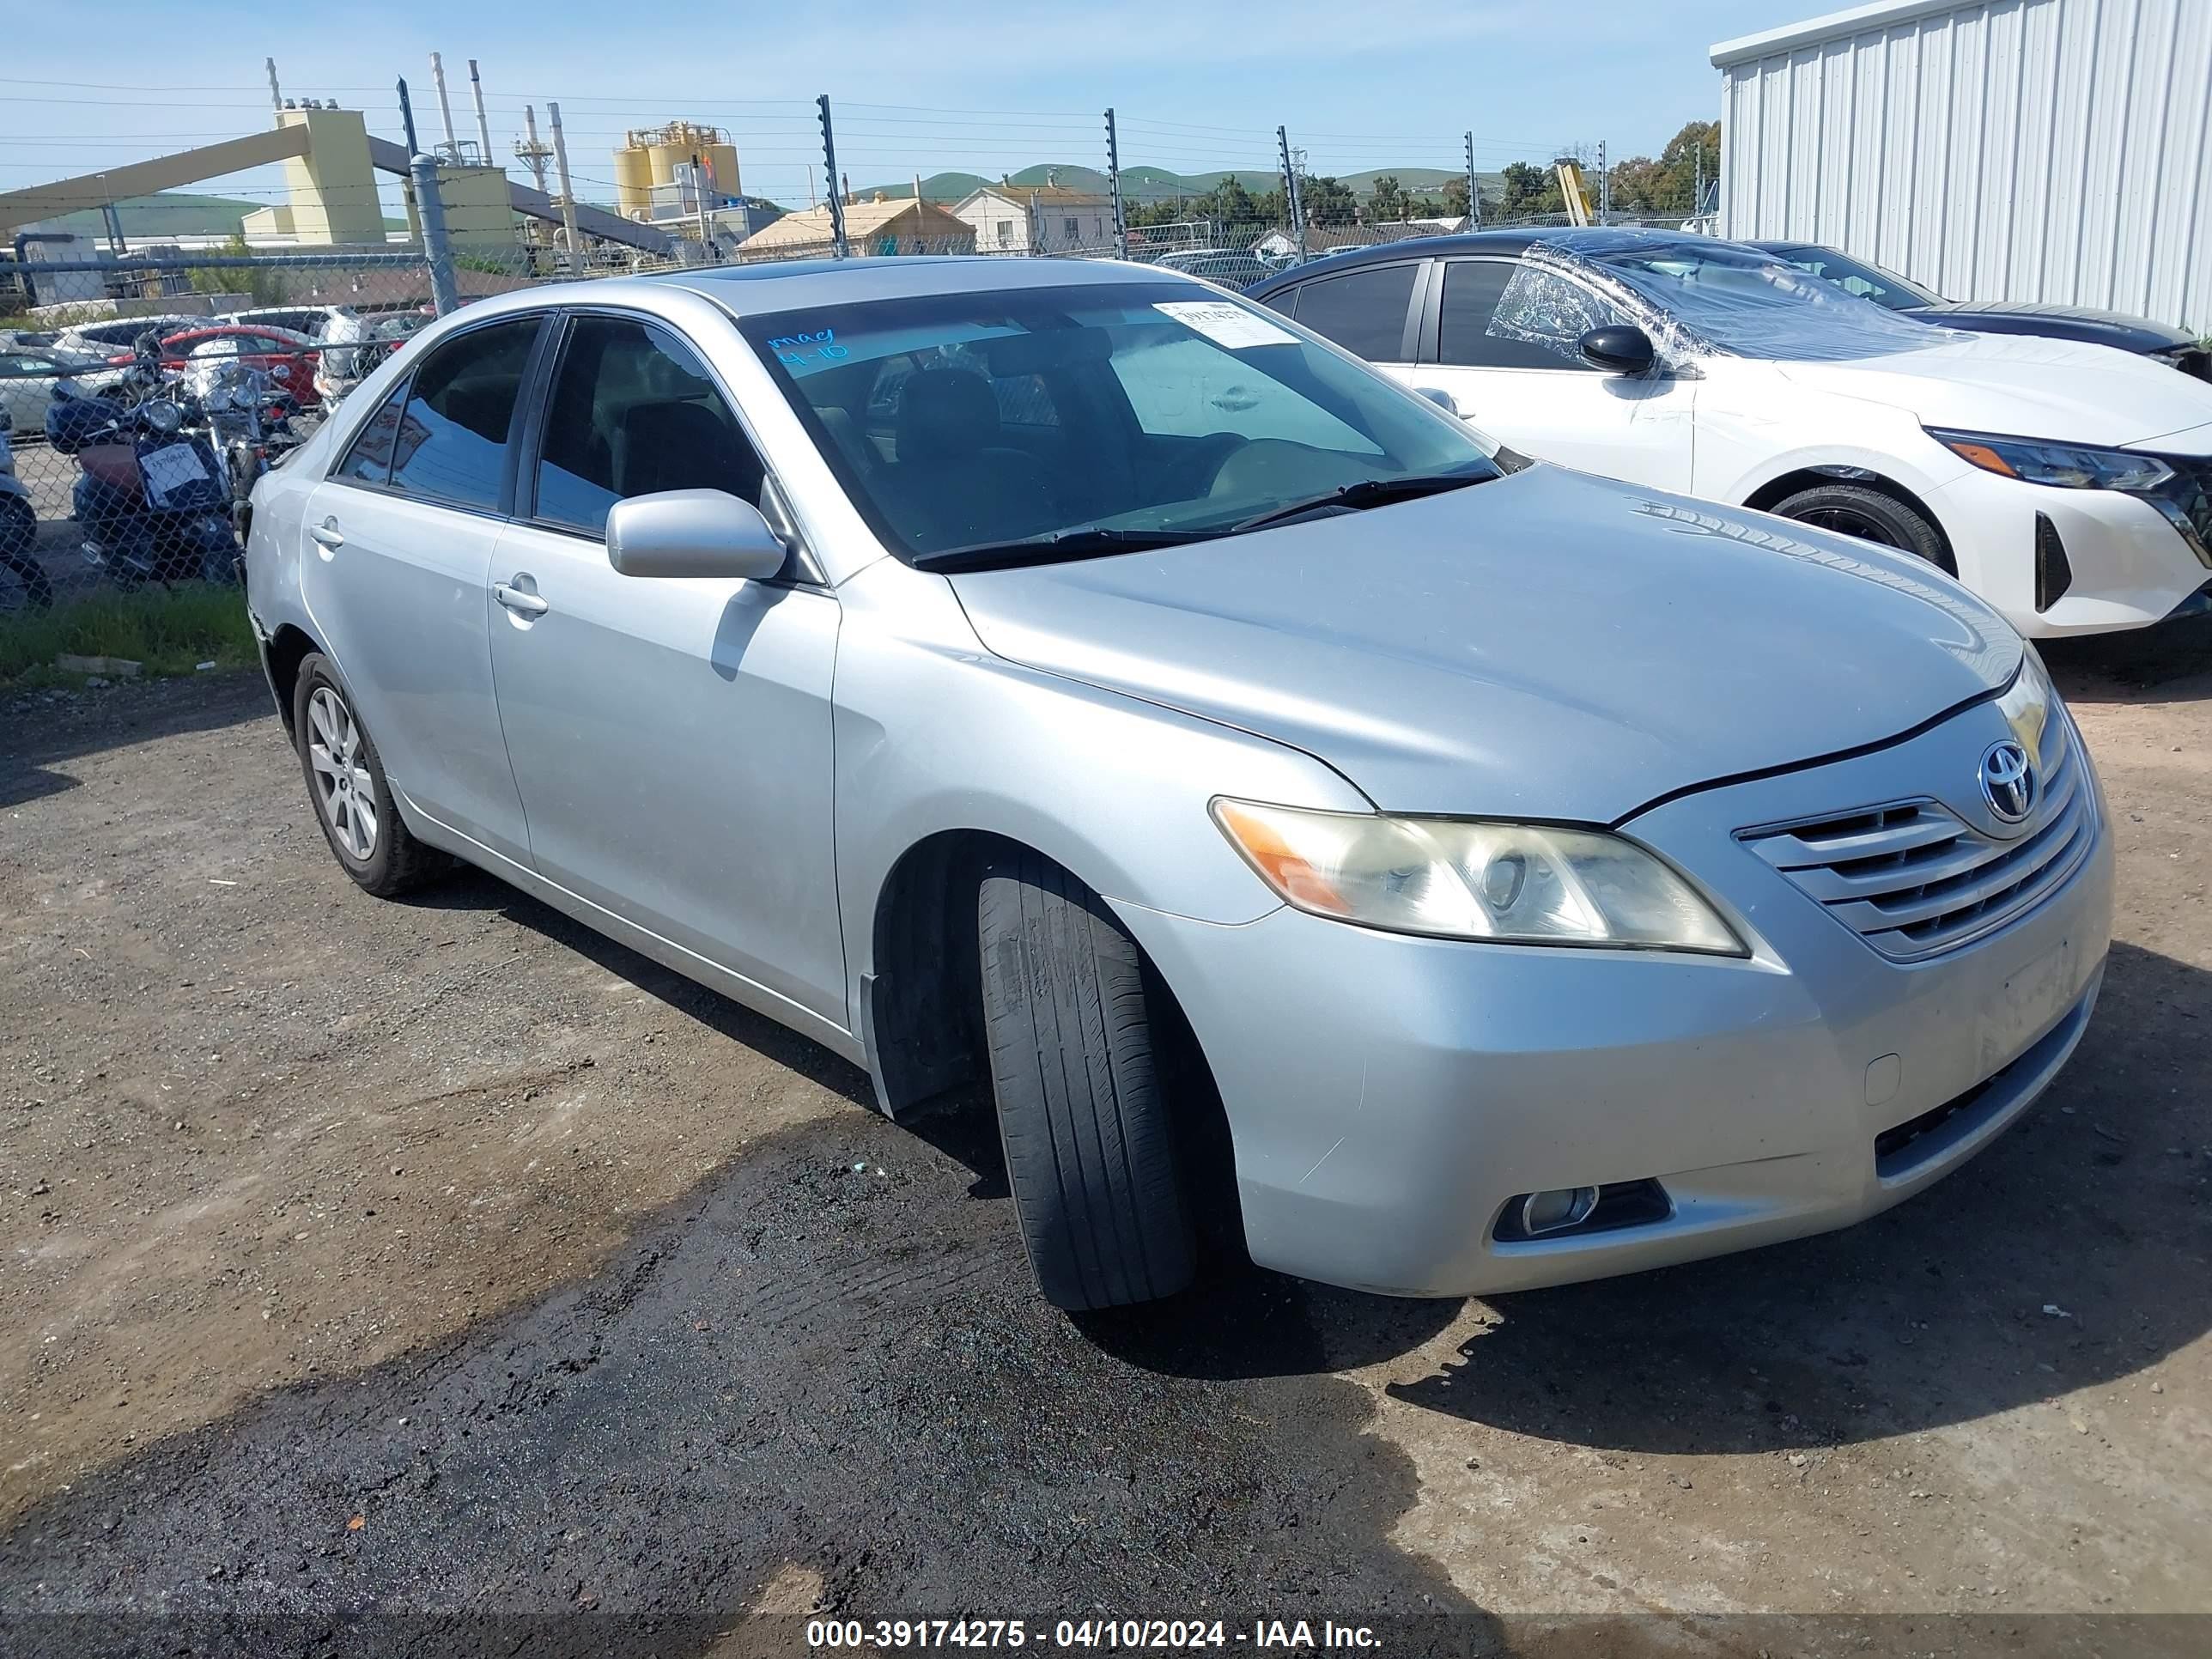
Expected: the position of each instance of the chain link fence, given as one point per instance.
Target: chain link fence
(305, 329)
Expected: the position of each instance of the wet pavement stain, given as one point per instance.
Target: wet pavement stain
(829, 1368)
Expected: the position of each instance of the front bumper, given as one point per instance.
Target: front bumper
(2130, 565)
(1387, 1095)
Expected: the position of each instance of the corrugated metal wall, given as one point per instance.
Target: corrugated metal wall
(2013, 149)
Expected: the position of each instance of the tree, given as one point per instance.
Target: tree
(1386, 199)
(1455, 198)
(1529, 190)
(1327, 201)
(1668, 185)
(264, 288)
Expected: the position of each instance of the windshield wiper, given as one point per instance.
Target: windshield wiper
(1061, 545)
(1367, 492)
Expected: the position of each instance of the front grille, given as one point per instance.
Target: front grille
(1914, 880)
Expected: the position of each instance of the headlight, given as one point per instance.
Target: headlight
(2030, 704)
(2067, 467)
(164, 416)
(1455, 878)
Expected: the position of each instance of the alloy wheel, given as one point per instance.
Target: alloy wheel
(1845, 521)
(343, 789)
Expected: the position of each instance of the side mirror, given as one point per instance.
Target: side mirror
(692, 532)
(1619, 349)
(1441, 398)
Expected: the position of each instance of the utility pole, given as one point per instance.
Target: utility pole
(437, 252)
(1113, 188)
(532, 153)
(1697, 199)
(830, 172)
(1604, 186)
(407, 120)
(568, 195)
(452, 150)
(1290, 202)
(1474, 195)
(483, 127)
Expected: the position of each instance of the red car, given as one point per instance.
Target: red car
(287, 357)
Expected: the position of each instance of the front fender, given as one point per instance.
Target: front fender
(935, 734)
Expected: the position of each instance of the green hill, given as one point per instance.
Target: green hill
(1150, 184)
(174, 213)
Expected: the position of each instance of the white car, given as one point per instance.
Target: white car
(27, 378)
(2069, 484)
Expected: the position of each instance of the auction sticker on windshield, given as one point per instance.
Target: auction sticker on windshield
(1226, 324)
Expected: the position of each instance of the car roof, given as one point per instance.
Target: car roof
(1582, 239)
(804, 285)
(260, 331)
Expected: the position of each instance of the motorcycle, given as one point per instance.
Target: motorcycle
(246, 420)
(24, 585)
(152, 500)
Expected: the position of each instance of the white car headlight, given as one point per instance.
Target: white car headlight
(1527, 884)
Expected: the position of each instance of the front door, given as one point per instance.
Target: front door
(671, 737)
(395, 566)
(1505, 350)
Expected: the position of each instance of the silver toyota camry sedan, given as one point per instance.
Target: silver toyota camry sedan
(1065, 674)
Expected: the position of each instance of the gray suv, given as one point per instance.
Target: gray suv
(1061, 675)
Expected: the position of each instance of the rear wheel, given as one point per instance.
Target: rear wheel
(1871, 515)
(346, 780)
(1090, 1148)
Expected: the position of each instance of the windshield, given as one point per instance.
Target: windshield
(1730, 298)
(1088, 413)
(1885, 288)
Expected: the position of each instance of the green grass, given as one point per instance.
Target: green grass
(170, 630)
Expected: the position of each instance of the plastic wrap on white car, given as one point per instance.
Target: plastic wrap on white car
(1693, 302)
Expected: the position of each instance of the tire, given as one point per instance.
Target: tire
(376, 848)
(1090, 1147)
(1870, 516)
(26, 585)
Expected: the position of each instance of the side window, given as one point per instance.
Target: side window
(634, 411)
(1363, 311)
(1473, 288)
(452, 437)
(1545, 311)
(369, 459)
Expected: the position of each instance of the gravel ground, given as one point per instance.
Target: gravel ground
(438, 1277)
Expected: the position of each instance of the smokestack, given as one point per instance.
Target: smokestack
(537, 155)
(445, 106)
(276, 98)
(845, 183)
(483, 127)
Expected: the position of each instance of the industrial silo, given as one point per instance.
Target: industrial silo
(650, 157)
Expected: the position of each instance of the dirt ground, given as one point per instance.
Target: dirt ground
(442, 1256)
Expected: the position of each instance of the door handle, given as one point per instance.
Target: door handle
(327, 533)
(518, 600)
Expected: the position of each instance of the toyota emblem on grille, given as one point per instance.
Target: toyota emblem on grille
(2008, 781)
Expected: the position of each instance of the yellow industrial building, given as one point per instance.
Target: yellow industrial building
(648, 159)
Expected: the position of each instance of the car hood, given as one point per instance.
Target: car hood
(2112, 328)
(2022, 386)
(1548, 645)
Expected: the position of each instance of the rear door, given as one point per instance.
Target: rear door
(1501, 342)
(396, 571)
(1371, 312)
(671, 737)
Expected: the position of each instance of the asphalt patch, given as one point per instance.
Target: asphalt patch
(822, 1386)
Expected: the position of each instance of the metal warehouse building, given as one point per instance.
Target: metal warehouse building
(2057, 151)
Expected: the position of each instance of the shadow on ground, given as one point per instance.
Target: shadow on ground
(40, 732)
(1940, 1312)
(2170, 662)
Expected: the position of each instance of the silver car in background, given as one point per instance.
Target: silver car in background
(1065, 675)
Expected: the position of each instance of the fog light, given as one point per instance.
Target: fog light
(1556, 1211)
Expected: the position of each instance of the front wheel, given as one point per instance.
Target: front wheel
(1870, 516)
(1090, 1149)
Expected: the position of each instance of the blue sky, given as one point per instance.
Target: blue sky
(1196, 87)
